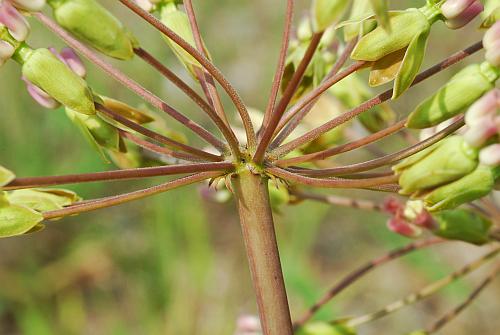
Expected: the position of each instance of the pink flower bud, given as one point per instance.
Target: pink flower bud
(465, 16)
(145, 4)
(40, 96)
(425, 220)
(392, 205)
(6, 51)
(486, 106)
(490, 155)
(453, 8)
(478, 134)
(29, 5)
(248, 324)
(74, 62)
(16, 23)
(402, 227)
(492, 54)
(492, 36)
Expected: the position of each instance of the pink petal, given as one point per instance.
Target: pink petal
(453, 8)
(425, 220)
(16, 23)
(492, 36)
(74, 62)
(488, 104)
(492, 54)
(490, 155)
(401, 227)
(40, 96)
(6, 51)
(478, 134)
(29, 5)
(392, 205)
(145, 4)
(466, 16)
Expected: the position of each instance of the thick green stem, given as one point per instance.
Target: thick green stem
(262, 251)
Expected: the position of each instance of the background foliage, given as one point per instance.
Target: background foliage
(175, 264)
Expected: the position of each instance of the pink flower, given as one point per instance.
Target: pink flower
(29, 5)
(491, 43)
(40, 96)
(460, 12)
(18, 27)
(490, 155)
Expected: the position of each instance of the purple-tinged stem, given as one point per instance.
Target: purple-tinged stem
(129, 83)
(270, 127)
(127, 197)
(357, 274)
(280, 69)
(223, 127)
(128, 174)
(317, 132)
(155, 136)
(338, 200)
(209, 66)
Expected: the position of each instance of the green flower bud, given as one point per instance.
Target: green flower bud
(459, 93)
(43, 199)
(471, 187)
(452, 159)
(95, 25)
(327, 12)
(46, 71)
(462, 225)
(6, 176)
(323, 328)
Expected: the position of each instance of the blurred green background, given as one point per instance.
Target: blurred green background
(174, 263)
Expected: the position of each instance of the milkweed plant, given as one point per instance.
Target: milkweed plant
(439, 185)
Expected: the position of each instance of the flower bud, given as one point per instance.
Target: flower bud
(462, 225)
(70, 58)
(472, 186)
(42, 98)
(43, 199)
(453, 8)
(17, 220)
(466, 16)
(18, 27)
(491, 13)
(95, 25)
(459, 93)
(359, 9)
(450, 160)
(29, 5)
(487, 106)
(402, 227)
(6, 51)
(47, 72)
(327, 12)
(490, 156)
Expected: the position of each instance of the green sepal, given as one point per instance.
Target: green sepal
(490, 14)
(463, 225)
(43, 199)
(411, 64)
(359, 9)
(473, 186)
(327, 12)
(46, 71)
(453, 159)
(95, 25)
(6, 176)
(380, 7)
(324, 328)
(380, 42)
(460, 92)
(17, 220)
(133, 114)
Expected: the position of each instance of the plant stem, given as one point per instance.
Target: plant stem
(338, 201)
(206, 80)
(424, 292)
(139, 173)
(317, 132)
(130, 83)
(270, 127)
(223, 127)
(93, 205)
(458, 309)
(262, 250)
(214, 71)
(280, 69)
(357, 274)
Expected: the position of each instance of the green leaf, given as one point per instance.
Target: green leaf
(327, 12)
(6, 176)
(43, 199)
(17, 220)
(463, 225)
(411, 64)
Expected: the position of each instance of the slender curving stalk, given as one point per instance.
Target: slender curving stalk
(317, 132)
(338, 200)
(127, 197)
(126, 174)
(262, 251)
(129, 83)
(357, 274)
(214, 71)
